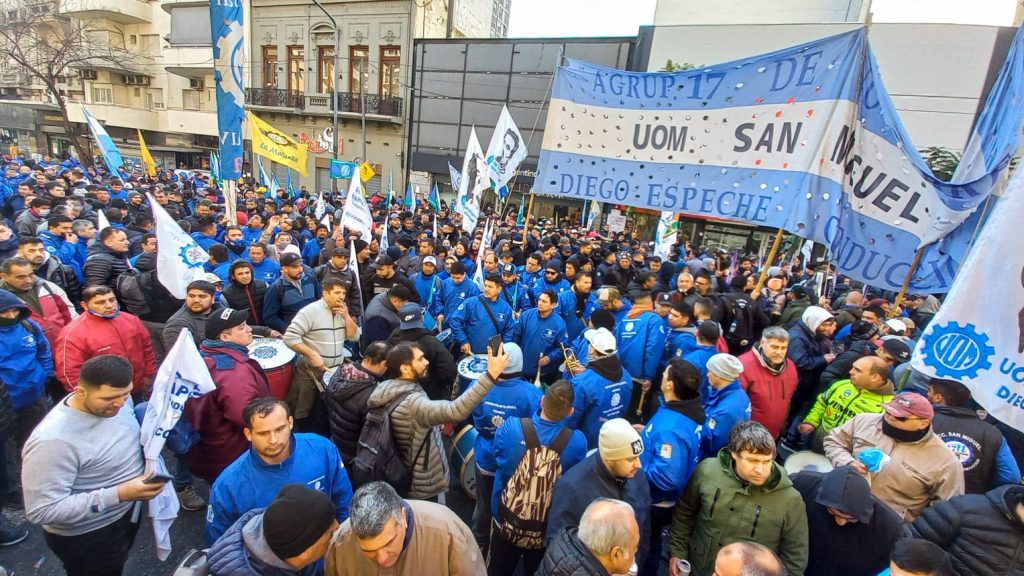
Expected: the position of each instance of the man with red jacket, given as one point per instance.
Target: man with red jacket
(769, 378)
(217, 416)
(103, 329)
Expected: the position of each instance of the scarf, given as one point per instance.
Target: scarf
(776, 369)
(903, 435)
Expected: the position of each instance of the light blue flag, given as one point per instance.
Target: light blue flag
(264, 179)
(520, 218)
(214, 167)
(228, 36)
(288, 183)
(410, 198)
(108, 150)
(435, 198)
(274, 184)
(456, 176)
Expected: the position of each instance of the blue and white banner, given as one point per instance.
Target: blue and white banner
(506, 151)
(805, 139)
(180, 259)
(228, 75)
(977, 336)
(108, 150)
(473, 180)
(356, 216)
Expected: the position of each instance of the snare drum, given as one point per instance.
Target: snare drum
(460, 454)
(807, 460)
(446, 337)
(275, 357)
(471, 368)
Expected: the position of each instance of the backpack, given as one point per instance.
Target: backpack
(526, 498)
(740, 330)
(132, 288)
(378, 457)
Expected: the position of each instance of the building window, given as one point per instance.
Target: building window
(102, 95)
(358, 58)
(390, 59)
(325, 68)
(190, 99)
(296, 57)
(270, 66)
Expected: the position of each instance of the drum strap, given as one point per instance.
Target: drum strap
(487, 308)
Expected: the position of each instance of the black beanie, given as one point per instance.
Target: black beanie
(360, 245)
(296, 519)
(602, 318)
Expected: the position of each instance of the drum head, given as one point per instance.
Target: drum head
(473, 367)
(270, 353)
(807, 460)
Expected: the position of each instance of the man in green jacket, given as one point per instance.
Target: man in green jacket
(866, 390)
(741, 495)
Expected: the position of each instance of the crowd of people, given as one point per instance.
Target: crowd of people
(629, 413)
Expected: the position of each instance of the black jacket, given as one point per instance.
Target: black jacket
(839, 369)
(64, 276)
(374, 285)
(567, 556)
(8, 420)
(441, 371)
(857, 549)
(103, 266)
(162, 304)
(590, 479)
(982, 532)
(345, 398)
(619, 277)
(248, 297)
(974, 441)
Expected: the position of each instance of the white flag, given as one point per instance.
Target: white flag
(101, 222)
(485, 243)
(321, 207)
(178, 257)
(455, 176)
(506, 151)
(472, 183)
(182, 375)
(357, 212)
(668, 225)
(977, 336)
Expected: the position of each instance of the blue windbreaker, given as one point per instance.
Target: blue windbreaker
(536, 336)
(268, 270)
(471, 323)
(453, 295)
(574, 325)
(699, 357)
(429, 288)
(725, 408)
(671, 451)
(508, 400)
(25, 359)
(641, 344)
(598, 400)
(517, 295)
(541, 285)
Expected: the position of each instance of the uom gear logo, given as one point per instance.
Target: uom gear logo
(956, 351)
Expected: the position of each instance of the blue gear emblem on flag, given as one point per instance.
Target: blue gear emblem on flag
(956, 351)
(193, 256)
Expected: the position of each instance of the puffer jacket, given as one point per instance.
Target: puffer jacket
(243, 551)
(8, 421)
(345, 398)
(718, 508)
(103, 266)
(247, 297)
(415, 421)
(25, 358)
(567, 556)
(983, 533)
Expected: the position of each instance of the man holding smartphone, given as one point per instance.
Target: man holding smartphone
(83, 471)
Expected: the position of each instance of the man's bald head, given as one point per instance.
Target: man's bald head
(854, 298)
(748, 559)
(608, 529)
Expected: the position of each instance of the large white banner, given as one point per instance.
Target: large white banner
(473, 181)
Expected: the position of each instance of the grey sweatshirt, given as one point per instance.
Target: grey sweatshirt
(73, 462)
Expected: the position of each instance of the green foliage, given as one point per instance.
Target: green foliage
(671, 66)
(942, 161)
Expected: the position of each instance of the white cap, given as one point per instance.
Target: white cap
(896, 325)
(602, 340)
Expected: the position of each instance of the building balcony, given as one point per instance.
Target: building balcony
(117, 114)
(123, 11)
(275, 98)
(189, 61)
(380, 108)
(168, 5)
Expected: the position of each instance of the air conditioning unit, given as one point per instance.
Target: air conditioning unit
(136, 80)
(195, 83)
(88, 74)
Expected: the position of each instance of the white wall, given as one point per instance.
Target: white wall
(935, 73)
(677, 12)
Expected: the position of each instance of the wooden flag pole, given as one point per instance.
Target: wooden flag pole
(768, 262)
(894, 310)
(526, 222)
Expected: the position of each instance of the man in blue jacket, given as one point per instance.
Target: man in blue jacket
(641, 338)
(510, 399)
(428, 285)
(454, 291)
(575, 305)
(708, 332)
(509, 449)
(263, 268)
(551, 280)
(26, 363)
(61, 242)
(671, 447)
(293, 291)
(514, 292)
(602, 390)
(541, 334)
(276, 458)
(726, 404)
(479, 318)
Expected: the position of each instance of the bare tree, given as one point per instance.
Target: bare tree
(41, 40)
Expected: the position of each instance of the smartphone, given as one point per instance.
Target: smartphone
(494, 345)
(158, 479)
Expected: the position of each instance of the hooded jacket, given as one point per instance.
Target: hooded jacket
(567, 556)
(983, 533)
(603, 392)
(770, 388)
(510, 399)
(793, 311)
(641, 337)
(541, 337)
(719, 508)
(725, 408)
(25, 359)
(345, 397)
(807, 351)
(243, 551)
(858, 548)
(672, 447)
(472, 324)
(414, 424)
(247, 297)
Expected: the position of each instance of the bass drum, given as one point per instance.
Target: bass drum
(276, 359)
(460, 455)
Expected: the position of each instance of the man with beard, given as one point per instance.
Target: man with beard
(454, 291)
(552, 280)
(236, 244)
(513, 291)
(313, 248)
(479, 318)
(441, 372)
(621, 274)
(574, 305)
(769, 378)
(921, 470)
(381, 279)
(294, 290)
(194, 313)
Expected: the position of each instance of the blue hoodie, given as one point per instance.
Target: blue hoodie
(672, 447)
(268, 270)
(472, 324)
(25, 359)
(508, 400)
(725, 408)
(453, 295)
(249, 482)
(510, 447)
(602, 393)
(537, 336)
(641, 344)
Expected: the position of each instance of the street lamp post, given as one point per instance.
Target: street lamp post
(334, 88)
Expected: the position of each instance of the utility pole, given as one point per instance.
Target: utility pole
(334, 92)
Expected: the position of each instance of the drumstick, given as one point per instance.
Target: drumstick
(640, 406)
(536, 381)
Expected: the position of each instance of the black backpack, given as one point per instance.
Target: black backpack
(132, 288)
(378, 457)
(739, 330)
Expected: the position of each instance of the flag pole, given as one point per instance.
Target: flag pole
(893, 311)
(526, 222)
(771, 258)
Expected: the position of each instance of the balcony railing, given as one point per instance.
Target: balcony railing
(275, 97)
(375, 104)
